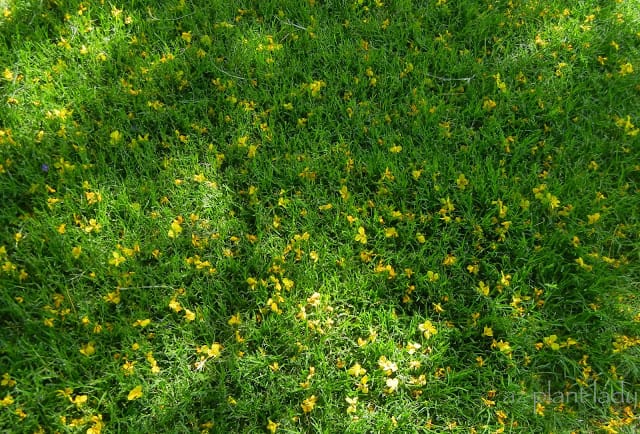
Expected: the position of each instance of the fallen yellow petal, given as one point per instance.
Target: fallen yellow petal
(135, 393)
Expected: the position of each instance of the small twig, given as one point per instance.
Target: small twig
(73, 307)
(229, 74)
(467, 79)
(289, 23)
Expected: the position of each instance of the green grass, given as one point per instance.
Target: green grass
(286, 216)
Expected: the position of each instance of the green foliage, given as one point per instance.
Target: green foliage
(319, 216)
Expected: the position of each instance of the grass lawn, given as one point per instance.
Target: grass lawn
(319, 216)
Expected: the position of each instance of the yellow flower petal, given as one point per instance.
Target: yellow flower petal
(135, 393)
(309, 404)
(189, 315)
(88, 349)
(272, 426)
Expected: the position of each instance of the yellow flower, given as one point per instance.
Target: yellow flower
(432, 277)
(212, 351)
(353, 402)
(88, 349)
(362, 385)
(412, 347)
(505, 279)
(488, 104)
(387, 365)
(570, 341)
(7, 380)
(117, 258)
(93, 226)
(628, 126)
(272, 426)
(316, 86)
(142, 322)
(176, 227)
(93, 197)
(115, 136)
(387, 175)
(356, 370)
(504, 347)
(361, 236)
(593, 218)
(251, 153)
(288, 283)
(420, 380)
(428, 329)
(499, 83)
(65, 393)
(156, 105)
(128, 367)
(583, 264)
(235, 320)
(8, 266)
(626, 68)
(6, 401)
(152, 361)
(112, 297)
(189, 315)
(80, 400)
(174, 305)
(391, 232)
(550, 341)
(344, 192)
(98, 424)
(488, 402)
(76, 252)
(215, 349)
(309, 404)
(392, 385)
(483, 288)
(462, 181)
(135, 393)
(553, 201)
(449, 260)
